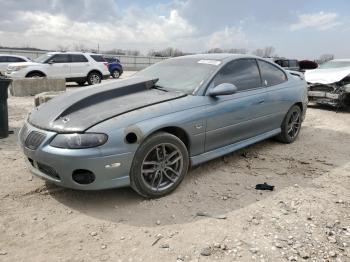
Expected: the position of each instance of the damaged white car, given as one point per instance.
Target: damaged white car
(330, 83)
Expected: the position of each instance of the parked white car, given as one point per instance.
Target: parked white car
(5, 60)
(73, 66)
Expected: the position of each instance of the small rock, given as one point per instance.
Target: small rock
(278, 245)
(180, 258)
(224, 198)
(332, 254)
(103, 246)
(158, 222)
(164, 246)
(3, 253)
(254, 250)
(303, 254)
(206, 251)
(217, 245)
(223, 247)
(93, 234)
(122, 238)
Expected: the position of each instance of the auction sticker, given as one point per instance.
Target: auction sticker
(209, 62)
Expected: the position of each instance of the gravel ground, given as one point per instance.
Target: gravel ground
(215, 215)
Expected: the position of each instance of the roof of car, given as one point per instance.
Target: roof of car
(72, 53)
(218, 56)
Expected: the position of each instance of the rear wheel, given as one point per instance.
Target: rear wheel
(35, 75)
(290, 126)
(159, 165)
(94, 78)
(115, 74)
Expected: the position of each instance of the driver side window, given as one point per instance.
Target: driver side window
(243, 73)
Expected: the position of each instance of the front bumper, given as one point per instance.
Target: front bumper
(57, 165)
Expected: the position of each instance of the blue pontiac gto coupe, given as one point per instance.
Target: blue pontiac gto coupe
(146, 131)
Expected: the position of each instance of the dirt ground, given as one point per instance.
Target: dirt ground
(215, 215)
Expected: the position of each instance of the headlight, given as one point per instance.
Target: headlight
(16, 68)
(79, 141)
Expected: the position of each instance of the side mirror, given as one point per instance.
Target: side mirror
(223, 90)
(51, 62)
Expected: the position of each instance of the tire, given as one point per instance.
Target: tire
(94, 78)
(291, 126)
(81, 83)
(151, 176)
(35, 75)
(115, 74)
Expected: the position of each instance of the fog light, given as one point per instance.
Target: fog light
(83, 177)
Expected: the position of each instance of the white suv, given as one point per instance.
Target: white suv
(5, 60)
(73, 66)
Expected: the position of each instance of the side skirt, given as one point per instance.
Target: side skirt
(196, 160)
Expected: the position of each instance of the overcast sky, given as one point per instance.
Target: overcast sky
(296, 28)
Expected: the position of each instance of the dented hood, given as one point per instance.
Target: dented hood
(76, 111)
(326, 76)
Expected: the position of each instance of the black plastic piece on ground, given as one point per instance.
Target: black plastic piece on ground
(4, 123)
(264, 186)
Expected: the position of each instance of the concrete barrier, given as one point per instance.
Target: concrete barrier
(46, 96)
(34, 86)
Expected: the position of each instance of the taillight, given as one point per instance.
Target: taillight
(106, 64)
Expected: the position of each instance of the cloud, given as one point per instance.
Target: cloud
(137, 28)
(320, 21)
(229, 37)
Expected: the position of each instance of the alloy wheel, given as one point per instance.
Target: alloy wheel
(95, 79)
(294, 124)
(162, 167)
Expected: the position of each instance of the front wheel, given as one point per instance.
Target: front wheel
(291, 126)
(160, 164)
(94, 78)
(115, 74)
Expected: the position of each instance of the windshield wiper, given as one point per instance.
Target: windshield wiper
(160, 88)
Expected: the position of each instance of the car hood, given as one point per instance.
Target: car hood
(326, 76)
(29, 63)
(77, 111)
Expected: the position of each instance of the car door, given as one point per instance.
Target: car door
(3, 64)
(277, 87)
(79, 65)
(59, 66)
(233, 118)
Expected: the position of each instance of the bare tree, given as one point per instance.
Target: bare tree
(167, 52)
(325, 58)
(62, 48)
(264, 52)
(80, 47)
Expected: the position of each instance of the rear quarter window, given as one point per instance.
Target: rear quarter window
(79, 59)
(271, 75)
(12, 59)
(98, 58)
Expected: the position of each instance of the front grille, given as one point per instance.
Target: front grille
(34, 140)
(324, 88)
(47, 170)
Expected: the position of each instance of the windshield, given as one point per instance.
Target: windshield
(42, 58)
(335, 64)
(181, 74)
